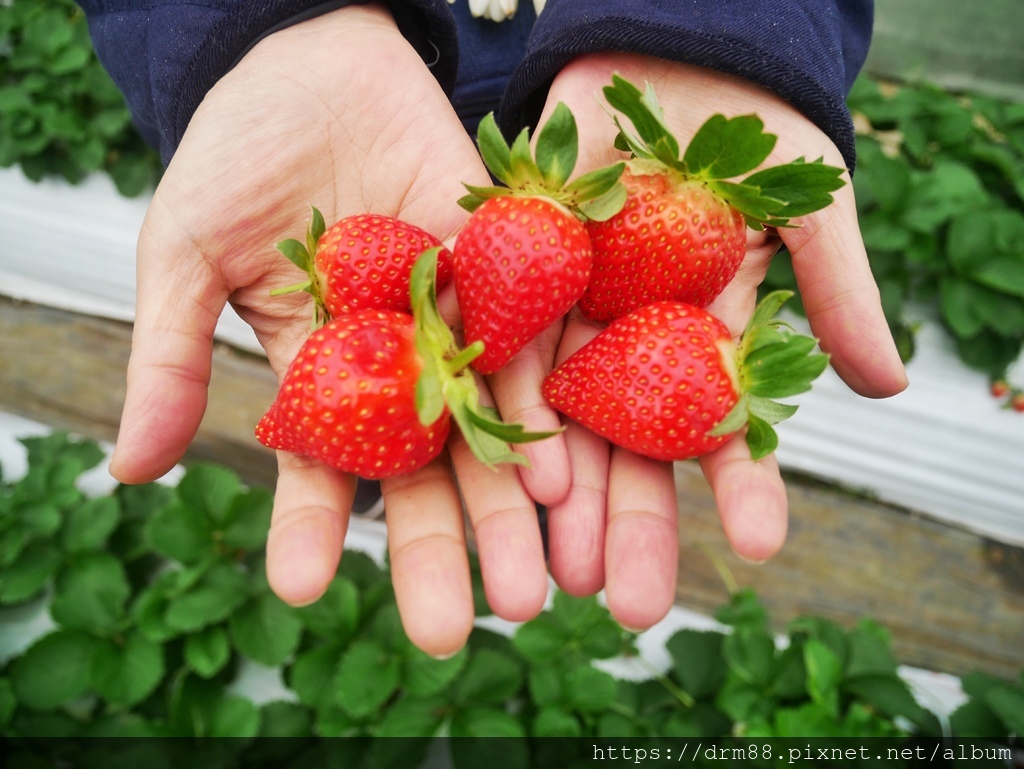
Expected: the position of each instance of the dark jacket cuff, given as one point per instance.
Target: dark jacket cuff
(806, 51)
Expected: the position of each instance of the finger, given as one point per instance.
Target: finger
(642, 548)
(507, 535)
(429, 564)
(750, 497)
(517, 392)
(312, 504)
(179, 300)
(576, 525)
(842, 301)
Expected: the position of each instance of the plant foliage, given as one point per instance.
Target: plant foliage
(158, 601)
(60, 113)
(940, 196)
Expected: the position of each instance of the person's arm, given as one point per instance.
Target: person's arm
(165, 57)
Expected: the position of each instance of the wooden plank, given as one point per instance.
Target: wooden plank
(953, 601)
(68, 371)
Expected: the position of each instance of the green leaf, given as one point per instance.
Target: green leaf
(424, 676)
(557, 144)
(824, 674)
(285, 720)
(181, 533)
(126, 673)
(494, 150)
(761, 439)
(490, 677)
(413, 716)
(697, 659)
(210, 490)
(726, 147)
(890, 695)
(555, 722)
(8, 702)
(523, 171)
(91, 593)
(296, 253)
(869, 651)
(653, 139)
(1008, 704)
(335, 615)
(312, 675)
(750, 654)
(233, 716)
(248, 519)
(89, 525)
(266, 629)
(53, 670)
(542, 638)
(367, 677)
(1005, 275)
(589, 690)
(959, 306)
(486, 722)
(208, 651)
(604, 206)
(796, 189)
(222, 589)
(29, 573)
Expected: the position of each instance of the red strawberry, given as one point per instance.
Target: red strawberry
(523, 259)
(667, 381)
(372, 393)
(348, 398)
(999, 388)
(1017, 401)
(361, 261)
(521, 263)
(681, 234)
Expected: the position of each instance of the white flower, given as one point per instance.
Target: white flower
(498, 10)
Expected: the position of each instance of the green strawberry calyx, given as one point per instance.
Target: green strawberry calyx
(447, 380)
(772, 361)
(597, 195)
(721, 150)
(303, 256)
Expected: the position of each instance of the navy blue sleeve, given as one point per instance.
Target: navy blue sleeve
(806, 51)
(165, 55)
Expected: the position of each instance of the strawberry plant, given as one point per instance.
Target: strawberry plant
(158, 609)
(60, 113)
(681, 234)
(940, 196)
(667, 381)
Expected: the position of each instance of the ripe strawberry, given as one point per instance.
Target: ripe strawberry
(667, 381)
(1017, 401)
(524, 257)
(348, 399)
(373, 392)
(681, 234)
(999, 388)
(361, 261)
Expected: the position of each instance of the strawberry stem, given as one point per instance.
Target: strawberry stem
(447, 380)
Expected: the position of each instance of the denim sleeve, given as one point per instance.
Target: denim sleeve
(165, 55)
(806, 51)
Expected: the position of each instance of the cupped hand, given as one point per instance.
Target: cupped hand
(617, 526)
(337, 112)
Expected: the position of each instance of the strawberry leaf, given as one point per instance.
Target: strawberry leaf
(796, 188)
(296, 253)
(653, 139)
(762, 439)
(494, 150)
(557, 147)
(725, 147)
(604, 207)
(317, 227)
(523, 171)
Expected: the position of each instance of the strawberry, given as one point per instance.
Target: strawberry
(1017, 401)
(681, 234)
(999, 388)
(361, 261)
(373, 392)
(524, 257)
(668, 381)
